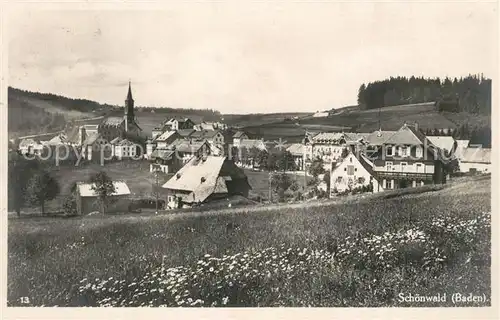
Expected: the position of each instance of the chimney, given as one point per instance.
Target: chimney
(416, 125)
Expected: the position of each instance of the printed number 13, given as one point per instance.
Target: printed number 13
(25, 300)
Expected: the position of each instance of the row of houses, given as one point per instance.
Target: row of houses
(107, 136)
(404, 158)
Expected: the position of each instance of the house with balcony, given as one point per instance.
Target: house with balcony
(408, 159)
(327, 146)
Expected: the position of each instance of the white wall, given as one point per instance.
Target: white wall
(480, 167)
(410, 167)
(340, 179)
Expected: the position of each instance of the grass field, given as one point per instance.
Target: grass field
(389, 118)
(137, 176)
(350, 253)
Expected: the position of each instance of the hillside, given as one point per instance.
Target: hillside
(34, 113)
(427, 242)
(356, 119)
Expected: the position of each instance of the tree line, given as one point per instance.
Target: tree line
(468, 94)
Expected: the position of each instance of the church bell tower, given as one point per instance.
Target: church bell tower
(129, 109)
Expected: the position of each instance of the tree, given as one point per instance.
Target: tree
(20, 171)
(261, 158)
(280, 182)
(316, 168)
(103, 186)
(326, 179)
(42, 187)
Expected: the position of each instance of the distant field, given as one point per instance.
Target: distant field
(290, 131)
(281, 255)
(246, 120)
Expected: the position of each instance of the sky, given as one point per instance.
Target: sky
(251, 57)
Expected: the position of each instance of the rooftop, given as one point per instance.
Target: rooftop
(85, 189)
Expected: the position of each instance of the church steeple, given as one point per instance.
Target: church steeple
(129, 95)
(129, 105)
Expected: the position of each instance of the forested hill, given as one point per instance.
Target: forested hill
(471, 94)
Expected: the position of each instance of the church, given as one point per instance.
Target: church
(113, 127)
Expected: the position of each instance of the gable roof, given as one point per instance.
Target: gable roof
(198, 175)
(164, 154)
(377, 138)
(296, 149)
(28, 142)
(91, 139)
(476, 155)
(115, 140)
(178, 119)
(182, 145)
(185, 132)
(72, 135)
(113, 121)
(238, 134)
(362, 160)
(442, 142)
(85, 189)
(407, 135)
(204, 134)
(328, 137)
(57, 140)
(165, 136)
(125, 142)
(203, 176)
(252, 143)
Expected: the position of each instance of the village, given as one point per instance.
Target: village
(265, 155)
(206, 161)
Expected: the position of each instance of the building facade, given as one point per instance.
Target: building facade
(408, 159)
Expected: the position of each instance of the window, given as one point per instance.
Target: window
(390, 184)
(403, 166)
(339, 179)
(388, 166)
(419, 167)
(389, 151)
(418, 151)
(404, 151)
(350, 170)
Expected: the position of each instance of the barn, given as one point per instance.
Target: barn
(203, 179)
(86, 198)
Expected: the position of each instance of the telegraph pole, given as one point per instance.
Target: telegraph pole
(270, 188)
(156, 193)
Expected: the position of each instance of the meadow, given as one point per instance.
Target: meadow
(140, 181)
(352, 252)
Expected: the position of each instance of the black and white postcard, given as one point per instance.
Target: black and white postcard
(218, 155)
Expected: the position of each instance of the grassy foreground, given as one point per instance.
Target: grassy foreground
(353, 254)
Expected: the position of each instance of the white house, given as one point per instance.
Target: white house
(94, 143)
(321, 114)
(475, 159)
(124, 149)
(353, 172)
(238, 136)
(30, 146)
(166, 138)
(179, 123)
